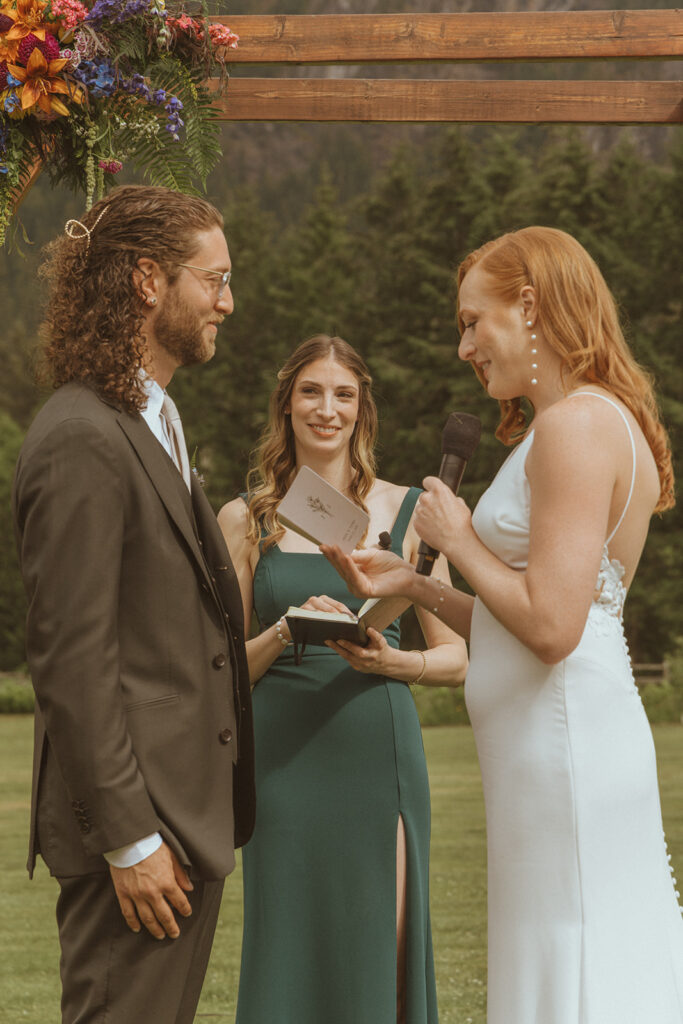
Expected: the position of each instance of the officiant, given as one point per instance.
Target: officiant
(337, 871)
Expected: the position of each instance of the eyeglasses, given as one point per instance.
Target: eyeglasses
(224, 276)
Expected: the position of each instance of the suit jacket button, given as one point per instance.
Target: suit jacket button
(219, 661)
(225, 735)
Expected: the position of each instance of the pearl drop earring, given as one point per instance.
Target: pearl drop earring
(534, 353)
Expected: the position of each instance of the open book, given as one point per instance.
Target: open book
(316, 510)
(309, 626)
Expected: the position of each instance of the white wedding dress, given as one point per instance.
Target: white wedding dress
(584, 925)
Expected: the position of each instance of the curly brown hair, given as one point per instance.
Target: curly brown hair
(92, 327)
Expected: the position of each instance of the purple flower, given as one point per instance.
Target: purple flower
(138, 87)
(98, 76)
(11, 102)
(116, 11)
(174, 121)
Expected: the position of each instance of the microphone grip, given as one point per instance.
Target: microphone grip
(450, 473)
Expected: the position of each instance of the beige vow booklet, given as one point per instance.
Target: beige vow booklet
(318, 511)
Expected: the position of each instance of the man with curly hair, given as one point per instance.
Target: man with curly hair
(143, 765)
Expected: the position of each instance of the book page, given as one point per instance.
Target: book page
(379, 612)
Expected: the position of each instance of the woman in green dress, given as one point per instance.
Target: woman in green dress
(336, 877)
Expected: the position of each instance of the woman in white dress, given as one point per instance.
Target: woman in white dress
(584, 924)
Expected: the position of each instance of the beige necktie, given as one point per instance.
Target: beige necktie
(177, 438)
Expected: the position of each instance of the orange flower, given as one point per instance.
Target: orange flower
(8, 51)
(28, 17)
(41, 83)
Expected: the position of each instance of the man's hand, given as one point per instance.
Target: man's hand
(145, 891)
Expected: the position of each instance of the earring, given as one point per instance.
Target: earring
(151, 300)
(534, 353)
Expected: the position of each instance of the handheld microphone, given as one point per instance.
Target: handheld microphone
(459, 441)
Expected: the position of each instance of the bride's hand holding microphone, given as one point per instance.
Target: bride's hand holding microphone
(442, 520)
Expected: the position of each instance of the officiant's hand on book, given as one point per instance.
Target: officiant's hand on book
(323, 603)
(372, 572)
(376, 657)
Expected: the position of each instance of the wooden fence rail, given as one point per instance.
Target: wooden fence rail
(384, 38)
(454, 38)
(649, 674)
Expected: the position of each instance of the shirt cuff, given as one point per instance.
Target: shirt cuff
(133, 853)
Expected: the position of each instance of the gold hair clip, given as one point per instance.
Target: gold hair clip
(73, 226)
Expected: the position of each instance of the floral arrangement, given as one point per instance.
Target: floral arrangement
(86, 87)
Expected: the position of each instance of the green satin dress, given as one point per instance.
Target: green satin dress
(339, 757)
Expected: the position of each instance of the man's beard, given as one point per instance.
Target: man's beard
(181, 332)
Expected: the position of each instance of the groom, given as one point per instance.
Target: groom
(143, 762)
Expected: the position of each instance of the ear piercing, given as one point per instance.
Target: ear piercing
(534, 353)
(151, 300)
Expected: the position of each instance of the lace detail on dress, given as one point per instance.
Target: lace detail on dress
(610, 593)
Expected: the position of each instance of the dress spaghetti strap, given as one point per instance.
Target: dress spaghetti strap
(400, 526)
(604, 398)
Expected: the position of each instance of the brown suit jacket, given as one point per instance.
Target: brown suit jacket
(135, 645)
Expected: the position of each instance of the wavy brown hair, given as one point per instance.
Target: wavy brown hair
(579, 319)
(274, 459)
(92, 327)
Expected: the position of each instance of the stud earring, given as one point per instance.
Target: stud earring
(151, 300)
(534, 353)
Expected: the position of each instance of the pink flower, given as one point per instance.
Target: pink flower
(72, 57)
(220, 35)
(185, 24)
(69, 12)
(110, 166)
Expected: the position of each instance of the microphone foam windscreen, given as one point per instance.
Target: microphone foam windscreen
(461, 435)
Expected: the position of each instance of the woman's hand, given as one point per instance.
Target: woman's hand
(371, 573)
(376, 658)
(440, 517)
(323, 603)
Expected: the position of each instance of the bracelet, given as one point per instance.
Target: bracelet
(414, 682)
(442, 591)
(278, 632)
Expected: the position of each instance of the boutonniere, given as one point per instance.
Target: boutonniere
(195, 470)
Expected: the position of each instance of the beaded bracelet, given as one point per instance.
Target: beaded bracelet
(442, 590)
(414, 682)
(278, 632)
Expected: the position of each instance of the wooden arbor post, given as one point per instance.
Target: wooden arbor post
(455, 38)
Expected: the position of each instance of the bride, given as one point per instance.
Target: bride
(584, 925)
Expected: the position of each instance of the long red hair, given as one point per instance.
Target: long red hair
(579, 319)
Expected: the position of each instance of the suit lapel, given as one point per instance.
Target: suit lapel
(218, 558)
(166, 480)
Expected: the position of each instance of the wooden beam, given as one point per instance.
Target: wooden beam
(313, 99)
(528, 36)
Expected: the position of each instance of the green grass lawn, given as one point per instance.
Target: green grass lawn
(29, 953)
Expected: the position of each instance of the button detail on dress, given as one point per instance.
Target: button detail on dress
(219, 661)
(225, 735)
